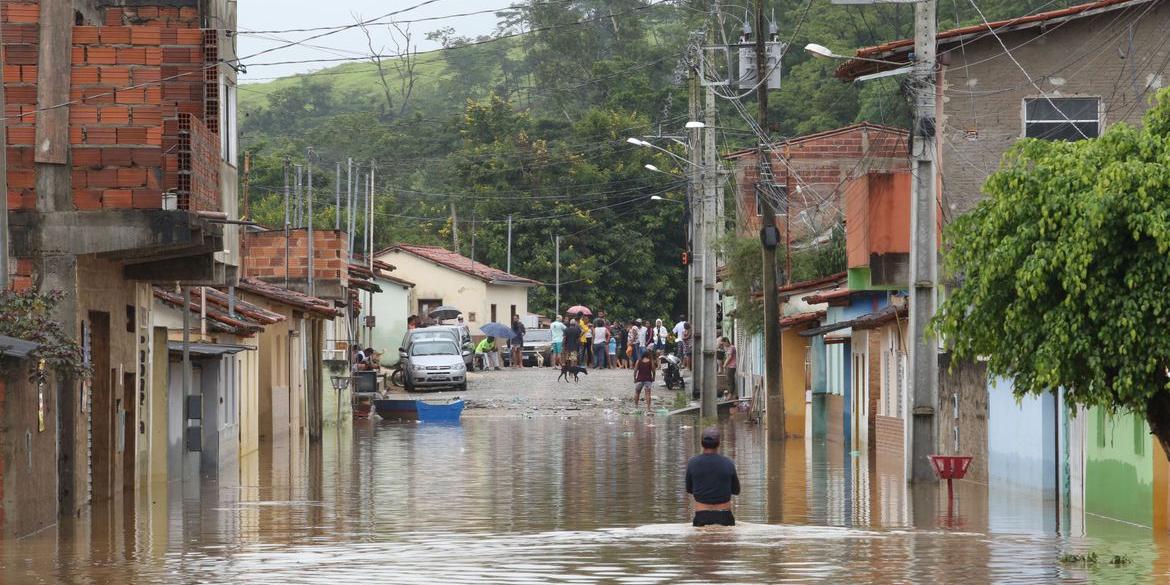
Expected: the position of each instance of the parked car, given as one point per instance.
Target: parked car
(459, 334)
(432, 363)
(536, 341)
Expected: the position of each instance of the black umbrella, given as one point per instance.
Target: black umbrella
(444, 312)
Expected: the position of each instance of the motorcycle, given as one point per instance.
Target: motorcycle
(672, 372)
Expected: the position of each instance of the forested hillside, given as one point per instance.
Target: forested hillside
(531, 122)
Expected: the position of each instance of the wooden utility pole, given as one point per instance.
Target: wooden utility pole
(923, 249)
(769, 240)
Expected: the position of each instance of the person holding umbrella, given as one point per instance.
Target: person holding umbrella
(491, 352)
(516, 342)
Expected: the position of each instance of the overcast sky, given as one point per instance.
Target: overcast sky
(265, 15)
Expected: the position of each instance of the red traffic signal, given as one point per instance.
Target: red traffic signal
(686, 258)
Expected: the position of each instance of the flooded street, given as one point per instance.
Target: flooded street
(595, 497)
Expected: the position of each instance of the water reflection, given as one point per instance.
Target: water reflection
(592, 499)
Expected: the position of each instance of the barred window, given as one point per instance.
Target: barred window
(1062, 118)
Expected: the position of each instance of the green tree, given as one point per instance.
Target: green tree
(1062, 271)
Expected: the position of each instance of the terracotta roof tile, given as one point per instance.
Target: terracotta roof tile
(454, 261)
(292, 298)
(217, 319)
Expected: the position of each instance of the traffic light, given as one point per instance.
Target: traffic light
(686, 258)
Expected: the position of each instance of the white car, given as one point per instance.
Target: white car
(434, 363)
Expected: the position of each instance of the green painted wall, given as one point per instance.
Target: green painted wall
(1119, 467)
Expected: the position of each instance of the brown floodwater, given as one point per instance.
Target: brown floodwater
(554, 500)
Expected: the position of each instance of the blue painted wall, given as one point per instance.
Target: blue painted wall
(1021, 439)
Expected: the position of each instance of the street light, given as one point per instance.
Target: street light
(643, 143)
(694, 125)
(652, 168)
(661, 198)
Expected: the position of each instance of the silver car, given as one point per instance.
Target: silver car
(459, 334)
(433, 363)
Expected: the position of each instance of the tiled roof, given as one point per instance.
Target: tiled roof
(449, 259)
(292, 298)
(878, 318)
(854, 68)
(249, 310)
(802, 319)
(839, 294)
(216, 319)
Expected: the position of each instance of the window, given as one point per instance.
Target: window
(471, 317)
(1062, 118)
(494, 313)
(227, 124)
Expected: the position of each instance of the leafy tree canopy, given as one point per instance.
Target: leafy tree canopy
(1063, 270)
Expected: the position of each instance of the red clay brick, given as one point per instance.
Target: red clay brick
(87, 199)
(131, 96)
(102, 178)
(21, 135)
(114, 115)
(117, 157)
(131, 177)
(21, 179)
(154, 56)
(23, 12)
(79, 178)
(146, 115)
(131, 56)
(28, 73)
(190, 36)
(87, 157)
(114, 17)
(168, 36)
(115, 35)
(85, 35)
(140, 75)
(76, 135)
(116, 76)
(132, 135)
(145, 35)
(85, 76)
(21, 33)
(78, 55)
(146, 157)
(101, 55)
(147, 199)
(148, 12)
(154, 136)
(12, 74)
(98, 135)
(117, 199)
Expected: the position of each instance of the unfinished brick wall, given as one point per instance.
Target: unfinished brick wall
(266, 255)
(131, 81)
(820, 164)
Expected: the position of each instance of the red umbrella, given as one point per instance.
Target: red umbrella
(580, 309)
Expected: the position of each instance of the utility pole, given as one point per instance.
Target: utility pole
(711, 192)
(309, 207)
(695, 284)
(509, 271)
(337, 199)
(923, 248)
(769, 239)
(299, 220)
(286, 222)
(4, 235)
(557, 261)
(370, 223)
(349, 206)
(454, 226)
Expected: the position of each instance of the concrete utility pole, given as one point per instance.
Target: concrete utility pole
(557, 262)
(711, 194)
(769, 239)
(337, 199)
(923, 249)
(309, 207)
(349, 206)
(4, 235)
(509, 271)
(695, 284)
(286, 222)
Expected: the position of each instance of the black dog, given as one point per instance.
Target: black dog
(573, 371)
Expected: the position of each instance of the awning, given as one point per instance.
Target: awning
(826, 329)
(208, 349)
(16, 348)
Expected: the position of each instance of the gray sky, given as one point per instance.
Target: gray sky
(264, 15)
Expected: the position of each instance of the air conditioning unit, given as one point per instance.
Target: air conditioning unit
(333, 355)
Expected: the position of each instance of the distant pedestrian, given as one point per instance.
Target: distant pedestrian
(516, 343)
(411, 322)
(572, 343)
(638, 339)
(659, 336)
(557, 333)
(687, 345)
(488, 353)
(600, 344)
(730, 363)
(644, 372)
(712, 480)
(613, 361)
(679, 326)
(586, 339)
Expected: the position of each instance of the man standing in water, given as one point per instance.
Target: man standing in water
(712, 480)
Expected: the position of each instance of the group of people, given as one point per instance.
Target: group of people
(600, 343)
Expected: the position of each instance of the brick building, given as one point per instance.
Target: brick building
(811, 172)
(1067, 74)
(121, 148)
